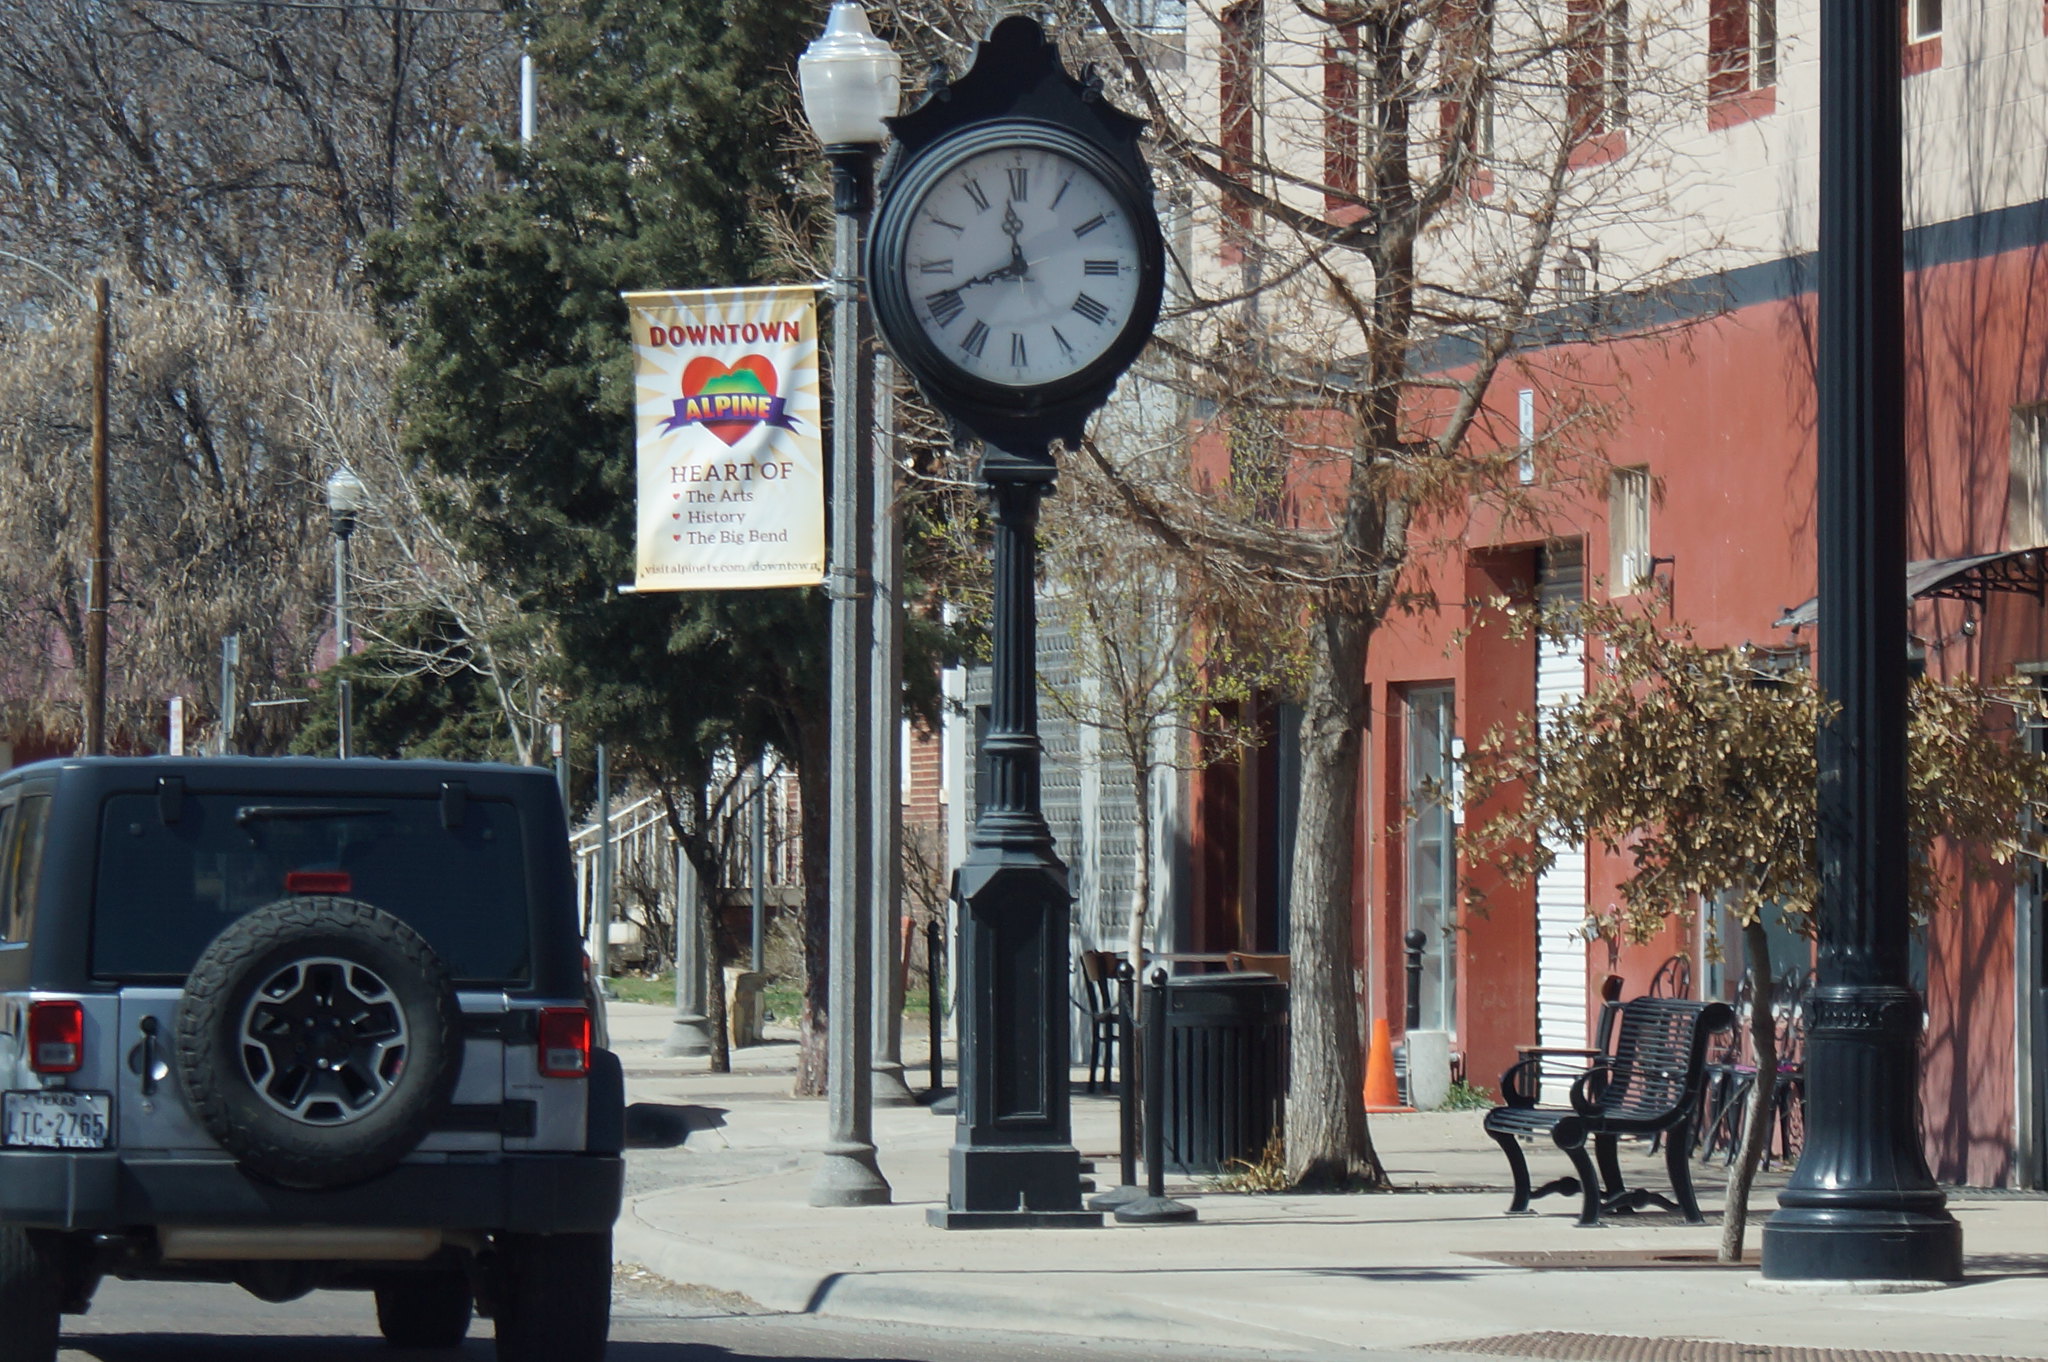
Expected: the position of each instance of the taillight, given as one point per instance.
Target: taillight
(564, 1042)
(56, 1037)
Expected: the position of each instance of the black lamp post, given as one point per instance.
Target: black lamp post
(850, 81)
(345, 498)
(1862, 1206)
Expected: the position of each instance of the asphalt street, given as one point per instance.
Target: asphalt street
(653, 1321)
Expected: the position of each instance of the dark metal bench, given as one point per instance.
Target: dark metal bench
(1648, 1082)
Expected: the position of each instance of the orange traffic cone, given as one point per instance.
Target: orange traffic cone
(1382, 1093)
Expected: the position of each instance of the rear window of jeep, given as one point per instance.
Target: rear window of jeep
(166, 887)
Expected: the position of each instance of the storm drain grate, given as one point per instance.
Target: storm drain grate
(1620, 1348)
(1568, 1260)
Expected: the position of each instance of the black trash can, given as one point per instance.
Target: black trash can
(1226, 1069)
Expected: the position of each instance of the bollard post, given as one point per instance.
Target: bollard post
(1155, 1207)
(1126, 1191)
(1416, 940)
(933, 935)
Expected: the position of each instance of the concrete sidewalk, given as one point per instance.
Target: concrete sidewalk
(721, 1172)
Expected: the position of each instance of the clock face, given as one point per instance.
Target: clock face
(1021, 266)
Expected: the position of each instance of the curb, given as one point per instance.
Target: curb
(951, 1300)
(777, 1286)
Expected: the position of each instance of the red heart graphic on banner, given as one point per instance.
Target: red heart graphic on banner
(753, 376)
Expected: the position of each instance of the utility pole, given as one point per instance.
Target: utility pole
(96, 574)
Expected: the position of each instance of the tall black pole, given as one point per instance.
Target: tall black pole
(1862, 1206)
(1155, 1207)
(1127, 1123)
(1013, 1160)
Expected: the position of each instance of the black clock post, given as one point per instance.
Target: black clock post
(987, 144)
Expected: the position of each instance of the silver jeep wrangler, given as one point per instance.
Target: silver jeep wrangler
(301, 1024)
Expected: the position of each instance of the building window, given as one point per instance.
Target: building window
(1525, 436)
(1150, 16)
(1596, 68)
(21, 860)
(1742, 47)
(2027, 501)
(1237, 98)
(1432, 852)
(1922, 22)
(1628, 531)
(1578, 274)
(1340, 119)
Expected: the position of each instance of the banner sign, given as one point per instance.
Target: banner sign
(726, 407)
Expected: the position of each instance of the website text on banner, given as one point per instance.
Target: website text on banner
(727, 411)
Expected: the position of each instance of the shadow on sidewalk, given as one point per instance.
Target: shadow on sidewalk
(664, 1125)
(1991, 1267)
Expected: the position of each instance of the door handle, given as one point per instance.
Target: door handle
(148, 1067)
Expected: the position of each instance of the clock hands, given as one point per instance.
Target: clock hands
(1014, 270)
(1017, 268)
(1012, 225)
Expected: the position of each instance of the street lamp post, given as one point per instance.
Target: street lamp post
(850, 81)
(345, 499)
(1862, 1206)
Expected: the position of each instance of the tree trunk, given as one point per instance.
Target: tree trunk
(705, 924)
(813, 778)
(1141, 783)
(1756, 1122)
(1328, 1145)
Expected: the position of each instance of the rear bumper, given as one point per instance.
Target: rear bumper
(530, 1193)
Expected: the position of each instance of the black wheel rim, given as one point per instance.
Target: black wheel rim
(323, 1041)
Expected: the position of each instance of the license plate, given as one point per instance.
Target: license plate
(57, 1120)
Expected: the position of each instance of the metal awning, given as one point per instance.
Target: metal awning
(1970, 578)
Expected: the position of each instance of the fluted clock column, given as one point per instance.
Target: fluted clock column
(1013, 1159)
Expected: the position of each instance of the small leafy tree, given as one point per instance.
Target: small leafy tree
(1158, 671)
(1697, 764)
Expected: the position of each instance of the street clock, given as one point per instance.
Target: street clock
(1016, 265)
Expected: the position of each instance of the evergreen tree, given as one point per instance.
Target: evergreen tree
(667, 157)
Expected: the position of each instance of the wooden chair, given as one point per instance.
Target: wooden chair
(1105, 1024)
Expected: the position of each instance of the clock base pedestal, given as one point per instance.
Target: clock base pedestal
(1013, 1161)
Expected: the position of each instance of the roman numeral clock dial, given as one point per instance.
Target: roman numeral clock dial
(1023, 263)
(1015, 262)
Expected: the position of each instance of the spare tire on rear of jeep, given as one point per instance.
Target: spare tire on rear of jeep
(318, 1041)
